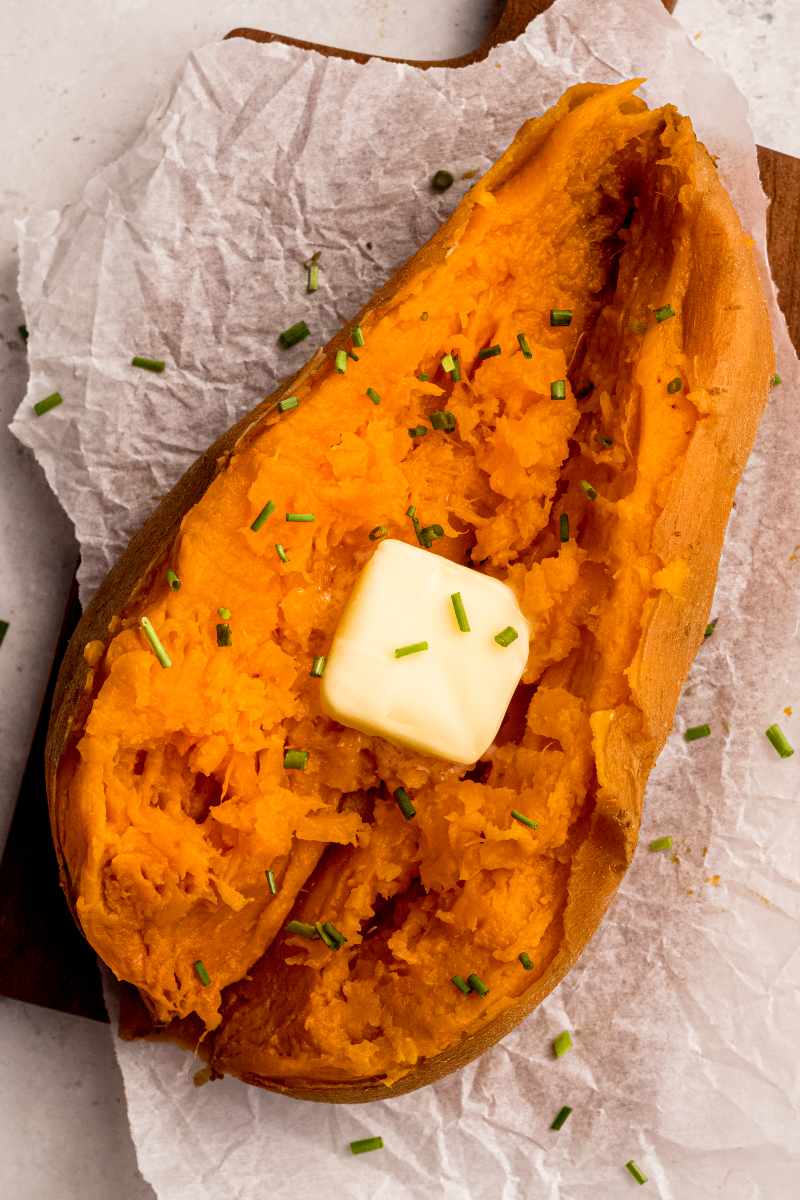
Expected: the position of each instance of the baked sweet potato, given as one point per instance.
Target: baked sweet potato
(592, 467)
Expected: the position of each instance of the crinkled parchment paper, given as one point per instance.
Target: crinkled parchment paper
(684, 1010)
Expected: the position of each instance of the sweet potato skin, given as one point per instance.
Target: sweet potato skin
(727, 334)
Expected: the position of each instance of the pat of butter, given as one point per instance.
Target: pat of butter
(447, 701)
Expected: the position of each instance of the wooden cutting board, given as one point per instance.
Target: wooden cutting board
(43, 958)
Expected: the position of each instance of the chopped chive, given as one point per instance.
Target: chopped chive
(288, 403)
(635, 1171)
(456, 372)
(441, 181)
(423, 316)
(589, 492)
(448, 363)
(525, 959)
(294, 334)
(605, 441)
(341, 361)
(695, 732)
(560, 316)
(148, 364)
(710, 627)
(281, 553)
(173, 581)
(674, 385)
(460, 982)
(779, 740)
(404, 803)
(301, 929)
(318, 667)
(363, 1145)
(662, 843)
(322, 932)
(352, 354)
(775, 380)
(461, 612)
(51, 401)
(22, 330)
(373, 395)
(358, 336)
(300, 518)
(313, 275)
(335, 934)
(155, 642)
(523, 820)
(664, 312)
(422, 377)
(563, 527)
(561, 1117)
(417, 431)
(442, 419)
(411, 511)
(377, 532)
(225, 613)
(489, 352)
(266, 512)
(201, 973)
(295, 760)
(224, 635)
(506, 636)
(429, 535)
(3, 630)
(562, 1043)
(411, 648)
(558, 389)
(523, 345)
(476, 984)
(273, 887)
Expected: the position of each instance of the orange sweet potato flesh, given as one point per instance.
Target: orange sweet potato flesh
(169, 797)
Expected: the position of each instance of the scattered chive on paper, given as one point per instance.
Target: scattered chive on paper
(281, 553)
(674, 385)
(155, 642)
(442, 419)
(558, 389)
(506, 636)
(3, 630)
(412, 648)
(288, 403)
(635, 1171)
(341, 361)
(460, 982)
(562, 1043)
(710, 627)
(358, 336)
(417, 431)
(523, 345)
(266, 512)
(224, 635)
(779, 740)
(148, 364)
(664, 312)
(22, 330)
(775, 380)
(561, 1117)
(295, 760)
(461, 612)
(312, 267)
(373, 395)
(525, 959)
(560, 316)
(318, 667)
(695, 732)
(377, 532)
(662, 843)
(441, 181)
(300, 518)
(294, 334)
(301, 929)
(489, 352)
(173, 581)
(404, 803)
(563, 527)
(201, 973)
(52, 401)
(363, 1145)
(271, 884)
(523, 820)
(476, 984)
(589, 492)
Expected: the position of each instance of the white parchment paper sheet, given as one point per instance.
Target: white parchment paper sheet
(684, 1010)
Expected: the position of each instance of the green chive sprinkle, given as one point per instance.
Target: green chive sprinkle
(294, 334)
(287, 404)
(523, 345)
(266, 512)
(411, 511)
(201, 973)
(155, 642)
(3, 630)
(51, 401)
(22, 330)
(373, 395)
(506, 636)
(273, 887)
(460, 982)
(322, 932)
(300, 518)
(352, 354)
(477, 985)
(674, 385)
(558, 389)
(281, 553)
(429, 535)
(225, 613)
(635, 1171)
(377, 532)
(710, 627)
(523, 820)
(560, 316)
(341, 361)
(562, 1044)
(404, 803)
(775, 380)
(318, 667)
(295, 760)
(313, 276)
(779, 740)
(489, 352)
(412, 648)
(358, 336)
(461, 612)
(563, 527)
(442, 419)
(417, 431)
(224, 635)
(589, 492)
(335, 934)
(441, 181)
(301, 929)
(448, 363)
(363, 1145)
(561, 1117)
(662, 843)
(422, 377)
(525, 959)
(456, 373)
(695, 732)
(148, 364)
(173, 581)
(664, 313)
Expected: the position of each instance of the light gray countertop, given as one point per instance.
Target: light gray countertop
(76, 82)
